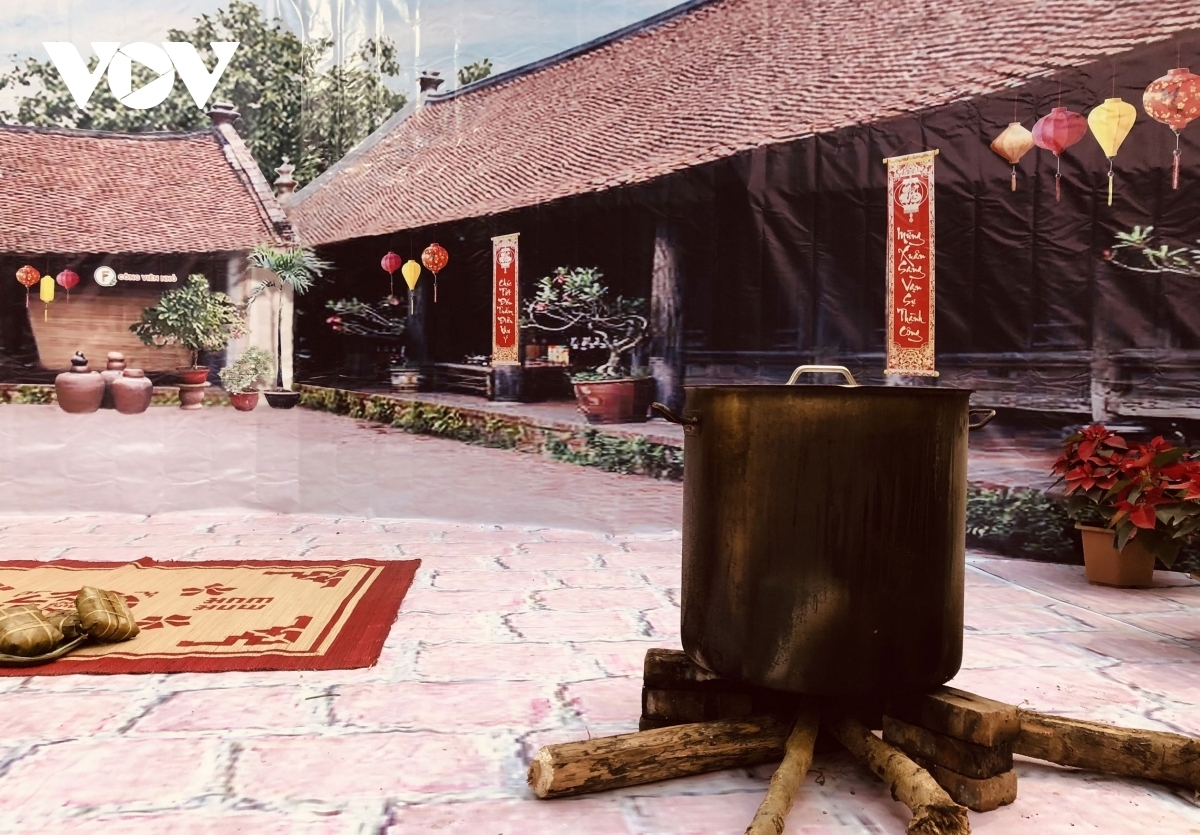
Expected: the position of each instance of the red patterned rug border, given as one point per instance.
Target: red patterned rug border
(358, 643)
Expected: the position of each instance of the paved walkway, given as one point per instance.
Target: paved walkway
(300, 461)
(512, 638)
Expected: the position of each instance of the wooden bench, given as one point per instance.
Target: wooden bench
(459, 377)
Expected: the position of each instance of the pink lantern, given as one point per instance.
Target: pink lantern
(1056, 131)
(390, 263)
(67, 279)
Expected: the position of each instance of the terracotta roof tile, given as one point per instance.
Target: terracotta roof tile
(88, 191)
(706, 82)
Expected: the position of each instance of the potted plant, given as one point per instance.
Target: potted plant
(298, 268)
(1132, 502)
(241, 378)
(196, 318)
(573, 301)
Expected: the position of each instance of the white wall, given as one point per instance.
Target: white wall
(262, 315)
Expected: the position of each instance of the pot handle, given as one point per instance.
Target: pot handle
(985, 418)
(691, 425)
(823, 369)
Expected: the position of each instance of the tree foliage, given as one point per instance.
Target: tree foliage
(474, 72)
(289, 105)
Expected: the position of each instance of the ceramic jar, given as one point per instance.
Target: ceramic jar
(191, 395)
(116, 367)
(131, 392)
(79, 390)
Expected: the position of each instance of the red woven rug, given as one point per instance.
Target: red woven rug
(224, 615)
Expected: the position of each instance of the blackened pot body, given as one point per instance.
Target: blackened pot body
(824, 535)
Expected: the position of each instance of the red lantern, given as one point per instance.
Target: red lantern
(28, 276)
(435, 259)
(1056, 131)
(1173, 100)
(390, 263)
(67, 279)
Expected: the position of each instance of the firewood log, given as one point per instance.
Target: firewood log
(934, 812)
(612, 762)
(1128, 752)
(786, 781)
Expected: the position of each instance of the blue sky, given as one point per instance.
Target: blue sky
(431, 34)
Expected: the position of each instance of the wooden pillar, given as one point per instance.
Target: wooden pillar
(418, 324)
(666, 317)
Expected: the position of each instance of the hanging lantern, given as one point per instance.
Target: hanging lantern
(1173, 100)
(67, 279)
(435, 259)
(411, 272)
(28, 276)
(391, 263)
(46, 292)
(1056, 131)
(1110, 123)
(1012, 144)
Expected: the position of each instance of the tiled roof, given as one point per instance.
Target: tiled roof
(699, 83)
(94, 192)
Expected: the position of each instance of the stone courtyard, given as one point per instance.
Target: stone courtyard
(513, 637)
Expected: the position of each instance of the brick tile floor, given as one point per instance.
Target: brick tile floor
(512, 638)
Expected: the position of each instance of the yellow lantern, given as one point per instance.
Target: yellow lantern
(411, 272)
(1012, 144)
(46, 290)
(1110, 123)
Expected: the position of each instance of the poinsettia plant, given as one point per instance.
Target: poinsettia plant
(1146, 490)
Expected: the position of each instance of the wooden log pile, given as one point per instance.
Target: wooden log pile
(941, 752)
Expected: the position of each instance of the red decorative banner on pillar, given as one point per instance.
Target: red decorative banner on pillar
(910, 255)
(505, 300)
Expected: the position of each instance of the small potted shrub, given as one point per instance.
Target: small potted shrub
(1132, 502)
(241, 378)
(196, 318)
(573, 301)
(298, 268)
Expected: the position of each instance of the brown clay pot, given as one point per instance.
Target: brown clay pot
(79, 390)
(131, 392)
(243, 401)
(191, 395)
(1130, 568)
(116, 367)
(192, 376)
(626, 400)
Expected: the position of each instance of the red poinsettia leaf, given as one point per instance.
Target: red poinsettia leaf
(1143, 516)
(1087, 449)
(1116, 441)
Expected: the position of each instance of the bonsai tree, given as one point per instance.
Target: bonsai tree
(243, 375)
(192, 316)
(1154, 259)
(383, 319)
(575, 301)
(1146, 490)
(296, 267)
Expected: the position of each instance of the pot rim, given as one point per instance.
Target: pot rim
(917, 391)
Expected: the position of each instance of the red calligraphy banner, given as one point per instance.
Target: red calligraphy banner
(910, 257)
(505, 300)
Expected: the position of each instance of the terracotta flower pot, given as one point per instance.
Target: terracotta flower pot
(192, 375)
(282, 399)
(79, 390)
(131, 392)
(406, 379)
(243, 401)
(191, 395)
(1130, 568)
(626, 400)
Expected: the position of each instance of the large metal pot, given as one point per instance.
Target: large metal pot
(824, 533)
